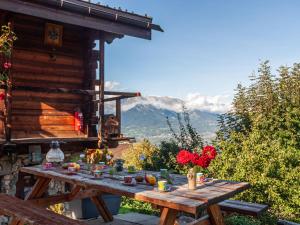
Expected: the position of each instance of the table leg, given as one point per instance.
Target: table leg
(20, 185)
(16, 221)
(168, 216)
(215, 215)
(39, 188)
(102, 208)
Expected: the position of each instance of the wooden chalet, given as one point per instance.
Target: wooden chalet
(51, 91)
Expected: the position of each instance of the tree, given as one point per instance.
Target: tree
(260, 140)
(187, 138)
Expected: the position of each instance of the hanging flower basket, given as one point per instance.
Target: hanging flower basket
(7, 39)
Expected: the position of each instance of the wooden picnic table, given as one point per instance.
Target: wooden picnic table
(179, 199)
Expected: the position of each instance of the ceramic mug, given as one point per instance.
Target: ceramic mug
(200, 178)
(162, 185)
(97, 173)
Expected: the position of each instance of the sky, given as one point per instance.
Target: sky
(208, 47)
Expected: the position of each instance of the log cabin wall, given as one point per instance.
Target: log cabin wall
(46, 114)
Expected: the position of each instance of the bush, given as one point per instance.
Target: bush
(260, 141)
(241, 220)
(265, 219)
(144, 150)
(130, 205)
(166, 157)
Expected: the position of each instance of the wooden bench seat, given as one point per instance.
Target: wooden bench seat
(246, 208)
(24, 212)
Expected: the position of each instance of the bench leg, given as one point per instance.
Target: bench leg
(168, 216)
(102, 208)
(16, 221)
(215, 215)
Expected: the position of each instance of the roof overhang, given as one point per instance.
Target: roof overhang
(84, 14)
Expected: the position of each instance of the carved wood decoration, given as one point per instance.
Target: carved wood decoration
(53, 34)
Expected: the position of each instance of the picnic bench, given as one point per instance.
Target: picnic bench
(27, 213)
(179, 199)
(245, 208)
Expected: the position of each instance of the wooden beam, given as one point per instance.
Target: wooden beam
(54, 199)
(117, 98)
(102, 208)
(55, 90)
(60, 15)
(101, 91)
(119, 113)
(215, 215)
(39, 188)
(168, 216)
(125, 94)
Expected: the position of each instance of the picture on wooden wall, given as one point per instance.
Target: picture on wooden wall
(53, 34)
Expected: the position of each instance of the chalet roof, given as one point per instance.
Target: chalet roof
(85, 14)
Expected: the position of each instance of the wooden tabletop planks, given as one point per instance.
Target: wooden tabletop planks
(180, 198)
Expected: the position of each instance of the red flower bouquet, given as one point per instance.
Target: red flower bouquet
(193, 159)
(185, 157)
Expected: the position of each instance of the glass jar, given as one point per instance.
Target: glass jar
(119, 165)
(55, 154)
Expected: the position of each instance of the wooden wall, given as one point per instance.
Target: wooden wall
(47, 114)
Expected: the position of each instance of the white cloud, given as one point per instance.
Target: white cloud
(217, 103)
(169, 103)
(111, 85)
(193, 101)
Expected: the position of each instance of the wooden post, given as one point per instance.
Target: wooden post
(90, 82)
(118, 113)
(101, 90)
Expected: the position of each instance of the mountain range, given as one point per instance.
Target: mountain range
(146, 117)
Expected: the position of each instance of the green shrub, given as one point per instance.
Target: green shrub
(241, 220)
(166, 156)
(140, 150)
(130, 205)
(265, 219)
(260, 141)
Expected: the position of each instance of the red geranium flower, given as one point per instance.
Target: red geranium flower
(203, 161)
(2, 96)
(184, 157)
(195, 157)
(7, 65)
(210, 152)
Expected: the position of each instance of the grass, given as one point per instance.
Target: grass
(129, 205)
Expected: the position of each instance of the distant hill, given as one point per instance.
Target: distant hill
(146, 118)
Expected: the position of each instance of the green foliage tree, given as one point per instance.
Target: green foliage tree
(188, 137)
(260, 140)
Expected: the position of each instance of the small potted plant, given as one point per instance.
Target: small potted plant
(194, 160)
